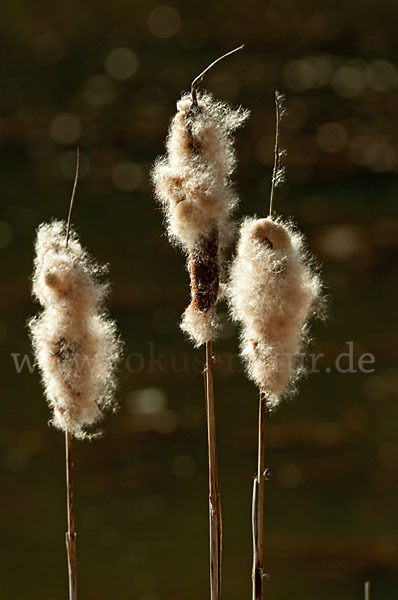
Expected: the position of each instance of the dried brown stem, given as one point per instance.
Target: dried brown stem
(277, 153)
(258, 484)
(215, 518)
(367, 590)
(73, 196)
(258, 507)
(204, 273)
(70, 512)
(199, 78)
(70, 534)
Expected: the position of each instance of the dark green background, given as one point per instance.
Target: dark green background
(141, 491)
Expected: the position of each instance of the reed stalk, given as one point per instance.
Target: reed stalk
(367, 590)
(205, 278)
(70, 506)
(215, 518)
(193, 184)
(258, 507)
(258, 484)
(70, 534)
(75, 344)
(204, 274)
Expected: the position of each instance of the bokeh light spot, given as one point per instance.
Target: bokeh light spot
(380, 157)
(148, 401)
(65, 128)
(184, 466)
(340, 241)
(382, 75)
(164, 22)
(349, 79)
(331, 137)
(127, 176)
(121, 63)
(99, 91)
(291, 476)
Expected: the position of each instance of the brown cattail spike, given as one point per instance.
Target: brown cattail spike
(193, 184)
(205, 273)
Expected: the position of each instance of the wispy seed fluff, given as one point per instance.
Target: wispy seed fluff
(75, 343)
(273, 292)
(193, 184)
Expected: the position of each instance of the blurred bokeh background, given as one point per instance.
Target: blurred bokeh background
(106, 76)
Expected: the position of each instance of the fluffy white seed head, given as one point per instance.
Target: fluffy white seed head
(273, 291)
(75, 343)
(193, 181)
(193, 184)
(200, 326)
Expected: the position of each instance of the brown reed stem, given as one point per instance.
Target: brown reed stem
(258, 484)
(205, 281)
(367, 590)
(215, 518)
(73, 196)
(277, 153)
(258, 507)
(70, 534)
(199, 78)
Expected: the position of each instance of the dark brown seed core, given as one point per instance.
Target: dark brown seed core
(203, 259)
(204, 272)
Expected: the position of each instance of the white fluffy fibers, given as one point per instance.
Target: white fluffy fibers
(193, 181)
(272, 293)
(75, 343)
(193, 184)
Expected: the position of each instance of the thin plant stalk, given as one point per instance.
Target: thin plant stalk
(258, 484)
(201, 271)
(367, 590)
(72, 199)
(70, 534)
(277, 153)
(199, 78)
(215, 519)
(258, 506)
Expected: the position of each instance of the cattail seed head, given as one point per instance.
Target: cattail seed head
(193, 184)
(273, 291)
(75, 343)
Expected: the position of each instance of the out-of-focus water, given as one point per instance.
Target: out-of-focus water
(107, 78)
